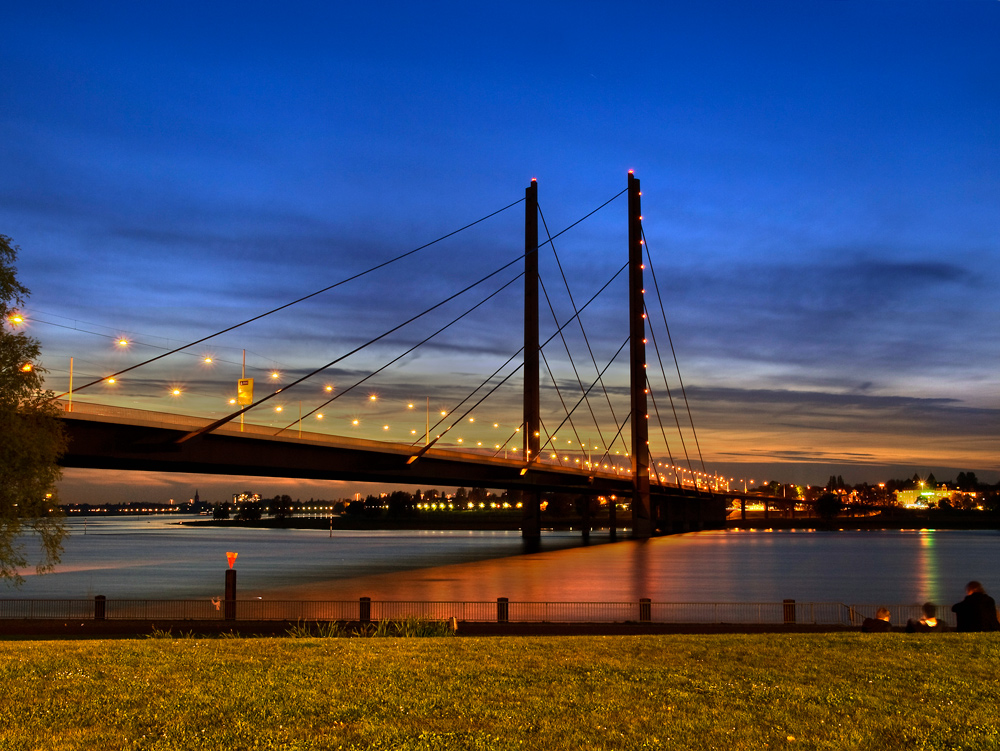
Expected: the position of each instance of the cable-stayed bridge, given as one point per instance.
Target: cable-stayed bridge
(592, 435)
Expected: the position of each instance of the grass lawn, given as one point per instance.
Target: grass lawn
(795, 691)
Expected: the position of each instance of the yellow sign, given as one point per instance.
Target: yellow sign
(244, 391)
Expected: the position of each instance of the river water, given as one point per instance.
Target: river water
(155, 558)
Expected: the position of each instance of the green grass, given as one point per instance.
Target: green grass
(795, 691)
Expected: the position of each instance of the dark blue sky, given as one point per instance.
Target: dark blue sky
(821, 192)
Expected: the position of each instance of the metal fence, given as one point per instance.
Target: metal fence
(500, 610)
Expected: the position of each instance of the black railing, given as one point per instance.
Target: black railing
(500, 610)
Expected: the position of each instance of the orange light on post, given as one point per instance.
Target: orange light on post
(231, 557)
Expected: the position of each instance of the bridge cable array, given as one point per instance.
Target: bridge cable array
(222, 421)
(673, 352)
(299, 300)
(423, 341)
(583, 332)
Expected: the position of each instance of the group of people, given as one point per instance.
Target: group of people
(977, 612)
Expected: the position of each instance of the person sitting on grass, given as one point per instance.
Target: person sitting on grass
(877, 624)
(978, 611)
(928, 620)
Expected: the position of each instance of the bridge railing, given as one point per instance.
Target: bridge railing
(500, 610)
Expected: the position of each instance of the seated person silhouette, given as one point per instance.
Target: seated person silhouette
(877, 624)
(928, 620)
(977, 612)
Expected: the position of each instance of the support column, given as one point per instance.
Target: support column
(531, 522)
(642, 526)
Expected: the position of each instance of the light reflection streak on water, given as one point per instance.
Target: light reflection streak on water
(927, 567)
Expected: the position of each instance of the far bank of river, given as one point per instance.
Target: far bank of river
(896, 519)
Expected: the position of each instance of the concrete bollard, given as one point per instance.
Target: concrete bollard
(365, 610)
(503, 610)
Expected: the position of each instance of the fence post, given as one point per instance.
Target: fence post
(230, 614)
(503, 611)
(645, 610)
(99, 607)
(788, 606)
(365, 610)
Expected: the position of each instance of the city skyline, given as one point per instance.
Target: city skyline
(820, 183)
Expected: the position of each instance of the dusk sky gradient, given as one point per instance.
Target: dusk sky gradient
(821, 198)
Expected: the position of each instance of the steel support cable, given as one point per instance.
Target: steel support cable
(583, 218)
(509, 360)
(670, 395)
(301, 299)
(564, 230)
(549, 242)
(307, 376)
(576, 314)
(486, 396)
(583, 331)
(552, 376)
(215, 360)
(561, 401)
(607, 455)
(659, 420)
(570, 320)
(663, 312)
(475, 391)
(404, 354)
(560, 426)
(542, 344)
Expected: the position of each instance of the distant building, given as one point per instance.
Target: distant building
(928, 497)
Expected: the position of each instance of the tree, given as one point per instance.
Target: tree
(31, 437)
(281, 507)
(249, 511)
(967, 481)
(828, 506)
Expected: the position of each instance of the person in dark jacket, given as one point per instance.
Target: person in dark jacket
(878, 624)
(977, 612)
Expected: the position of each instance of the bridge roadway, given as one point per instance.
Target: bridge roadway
(104, 437)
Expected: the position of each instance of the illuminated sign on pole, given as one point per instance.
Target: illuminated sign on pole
(244, 391)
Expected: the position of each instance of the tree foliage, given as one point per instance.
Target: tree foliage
(31, 438)
(828, 506)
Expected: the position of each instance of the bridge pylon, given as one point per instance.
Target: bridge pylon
(531, 522)
(642, 525)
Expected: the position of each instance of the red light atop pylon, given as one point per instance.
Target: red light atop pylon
(231, 557)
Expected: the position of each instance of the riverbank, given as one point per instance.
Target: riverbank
(25, 629)
(731, 691)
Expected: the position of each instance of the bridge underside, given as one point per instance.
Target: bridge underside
(106, 442)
